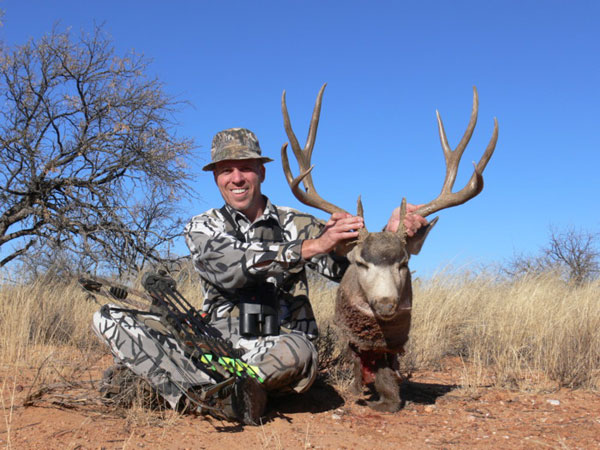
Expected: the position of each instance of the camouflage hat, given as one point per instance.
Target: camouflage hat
(234, 143)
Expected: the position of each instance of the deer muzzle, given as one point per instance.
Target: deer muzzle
(387, 295)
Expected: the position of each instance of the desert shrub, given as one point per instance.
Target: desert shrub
(573, 254)
(91, 175)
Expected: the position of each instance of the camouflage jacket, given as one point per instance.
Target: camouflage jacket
(232, 254)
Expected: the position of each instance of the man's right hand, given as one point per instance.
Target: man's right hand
(340, 228)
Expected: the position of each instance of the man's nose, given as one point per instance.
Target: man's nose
(237, 176)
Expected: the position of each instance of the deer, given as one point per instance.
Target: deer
(374, 299)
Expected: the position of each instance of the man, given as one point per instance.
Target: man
(251, 256)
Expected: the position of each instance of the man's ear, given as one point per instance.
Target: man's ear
(262, 172)
(414, 243)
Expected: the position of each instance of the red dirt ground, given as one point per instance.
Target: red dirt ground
(437, 414)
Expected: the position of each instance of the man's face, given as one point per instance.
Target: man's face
(239, 182)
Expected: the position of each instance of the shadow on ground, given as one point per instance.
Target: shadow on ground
(323, 397)
(320, 398)
(424, 393)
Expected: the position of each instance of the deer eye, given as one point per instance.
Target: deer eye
(362, 264)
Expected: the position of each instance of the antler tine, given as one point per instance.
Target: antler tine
(489, 151)
(314, 124)
(401, 228)
(362, 233)
(303, 156)
(306, 197)
(290, 132)
(447, 198)
(453, 157)
(360, 212)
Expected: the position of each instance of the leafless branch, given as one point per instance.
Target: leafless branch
(574, 254)
(90, 160)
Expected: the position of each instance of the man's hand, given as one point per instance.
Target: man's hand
(412, 222)
(340, 228)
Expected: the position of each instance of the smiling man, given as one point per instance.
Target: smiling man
(251, 257)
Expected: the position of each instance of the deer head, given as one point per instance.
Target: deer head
(379, 274)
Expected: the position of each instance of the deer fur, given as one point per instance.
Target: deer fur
(373, 311)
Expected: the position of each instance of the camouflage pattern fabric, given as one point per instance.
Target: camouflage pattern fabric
(285, 363)
(235, 143)
(144, 345)
(270, 252)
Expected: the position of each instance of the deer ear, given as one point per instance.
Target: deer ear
(353, 254)
(414, 243)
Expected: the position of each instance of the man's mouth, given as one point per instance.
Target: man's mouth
(238, 191)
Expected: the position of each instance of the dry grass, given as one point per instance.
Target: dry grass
(46, 330)
(8, 390)
(37, 320)
(533, 333)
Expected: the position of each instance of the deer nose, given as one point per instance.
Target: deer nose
(385, 306)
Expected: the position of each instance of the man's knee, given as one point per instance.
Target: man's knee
(288, 363)
(296, 350)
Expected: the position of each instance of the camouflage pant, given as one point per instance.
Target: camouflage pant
(287, 363)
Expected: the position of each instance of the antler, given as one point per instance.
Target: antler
(447, 198)
(309, 195)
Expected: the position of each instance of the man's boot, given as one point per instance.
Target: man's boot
(241, 400)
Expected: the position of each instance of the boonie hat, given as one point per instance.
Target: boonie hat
(234, 143)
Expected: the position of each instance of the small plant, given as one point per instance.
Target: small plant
(334, 366)
(123, 388)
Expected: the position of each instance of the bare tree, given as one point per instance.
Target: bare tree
(89, 162)
(574, 254)
(49, 264)
(576, 251)
(522, 264)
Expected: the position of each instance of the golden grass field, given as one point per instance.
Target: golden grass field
(523, 334)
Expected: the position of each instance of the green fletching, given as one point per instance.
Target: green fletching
(233, 365)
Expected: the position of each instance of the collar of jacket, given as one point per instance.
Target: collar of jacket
(270, 213)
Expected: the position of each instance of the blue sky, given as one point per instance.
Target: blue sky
(388, 66)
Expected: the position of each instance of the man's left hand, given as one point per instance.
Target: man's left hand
(412, 222)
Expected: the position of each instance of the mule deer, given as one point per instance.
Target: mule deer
(374, 299)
